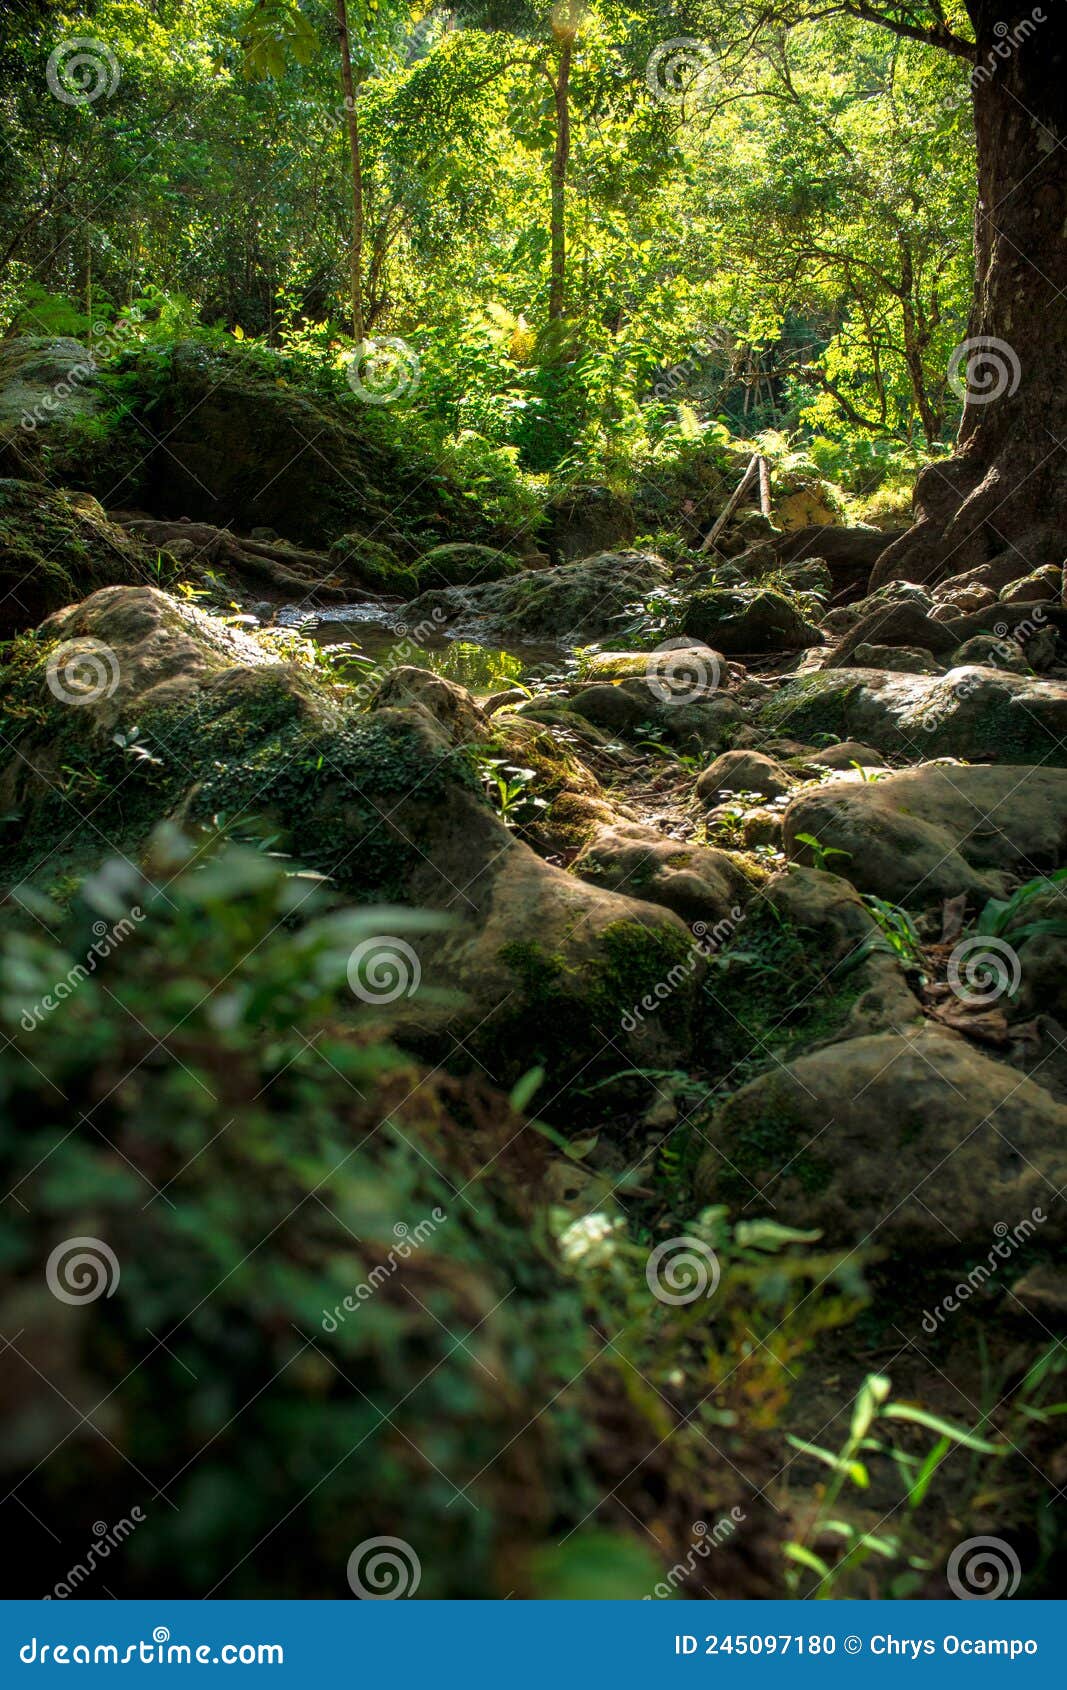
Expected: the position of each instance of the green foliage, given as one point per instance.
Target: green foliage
(1012, 918)
(850, 1466)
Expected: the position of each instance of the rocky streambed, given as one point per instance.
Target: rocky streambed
(558, 1071)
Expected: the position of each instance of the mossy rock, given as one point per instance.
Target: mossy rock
(459, 564)
(56, 547)
(374, 565)
(897, 1108)
(971, 712)
(250, 442)
(748, 621)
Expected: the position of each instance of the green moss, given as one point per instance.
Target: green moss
(374, 565)
(768, 997)
(774, 1140)
(257, 748)
(630, 961)
(55, 549)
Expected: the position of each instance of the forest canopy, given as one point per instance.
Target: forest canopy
(757, 230)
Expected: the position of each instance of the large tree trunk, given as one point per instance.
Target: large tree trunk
(1005, 490)
(355, 256)
(561, 89)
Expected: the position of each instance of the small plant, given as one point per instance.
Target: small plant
(821, 853)
(129, 743)
(1002, 917)
(507, 787)
(872, 1409)
(896, 935)
(680, 757)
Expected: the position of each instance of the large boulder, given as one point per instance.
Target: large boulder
(850, 553)
(918, 835)
(748, 620)
(461, 563)
(226, 436)
(581, 601)
(707, 888)
(902, 624)
(918, 1143)
(743, 771)
(139, 706)
(54, 548)
(49, 399)
(970, 712)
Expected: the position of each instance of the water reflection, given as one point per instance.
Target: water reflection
(479, 668)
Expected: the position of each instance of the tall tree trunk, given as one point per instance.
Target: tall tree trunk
(1005, 490)
(565, 25)
(352, 121)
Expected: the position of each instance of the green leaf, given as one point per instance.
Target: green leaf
(958, 1434)
(769, 1235)
(854, 1470)
(526, 1088)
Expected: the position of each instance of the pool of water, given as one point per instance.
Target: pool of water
(479, 668)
